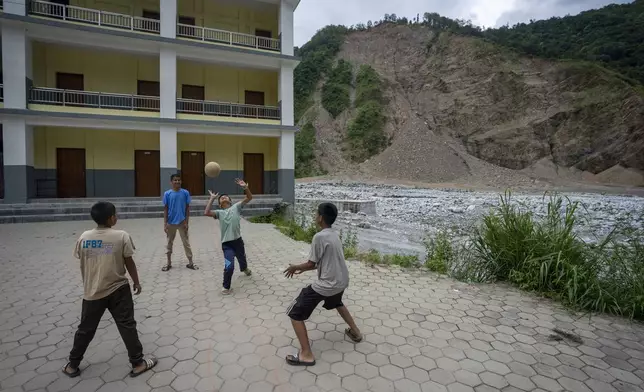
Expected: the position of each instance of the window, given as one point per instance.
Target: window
(254, 97)
(70, 81)
(148, 88)
(192, 92)
(151, 15)
(263, 33)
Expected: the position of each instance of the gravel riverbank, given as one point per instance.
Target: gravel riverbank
(406, 215)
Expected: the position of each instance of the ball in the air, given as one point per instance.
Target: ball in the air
(212, 169)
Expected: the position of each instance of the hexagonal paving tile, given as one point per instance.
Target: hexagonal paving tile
(421, 334)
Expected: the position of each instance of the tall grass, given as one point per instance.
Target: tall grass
(548, 257)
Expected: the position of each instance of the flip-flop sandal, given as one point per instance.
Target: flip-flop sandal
(294, 360)
(192, 267)
(76, 373)
(352, 335)
(166, 268)
(149, 364)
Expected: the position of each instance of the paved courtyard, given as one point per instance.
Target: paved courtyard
(422, 333)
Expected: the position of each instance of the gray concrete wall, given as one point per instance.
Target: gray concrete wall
(286, 185)
(121, 183)
(19, 184)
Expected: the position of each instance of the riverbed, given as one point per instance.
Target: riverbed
(405, 216)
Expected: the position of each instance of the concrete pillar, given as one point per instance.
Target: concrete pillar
(168, 82)
(286, 95)
(17, 66)
(286, 27)
(18, 156)
(16, 7)
(169, 18)
(168, 152)
(286, 167)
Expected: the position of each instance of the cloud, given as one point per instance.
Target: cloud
(312, 15)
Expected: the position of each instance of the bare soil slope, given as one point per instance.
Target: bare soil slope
(462, 109)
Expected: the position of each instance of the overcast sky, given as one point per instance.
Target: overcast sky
(312, 15)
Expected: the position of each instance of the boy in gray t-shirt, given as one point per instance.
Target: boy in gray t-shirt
(327, 256)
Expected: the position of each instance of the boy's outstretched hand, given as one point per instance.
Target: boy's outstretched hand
(241, 183)
(213, 196)
(292, 270)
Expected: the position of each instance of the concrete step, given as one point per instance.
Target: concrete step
(41, 209)
(129, 200)
(246, 212)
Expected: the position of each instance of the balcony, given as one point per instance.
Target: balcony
(144, 106)
(227, 109)
(88, 99)
(151, 26)
(94, 17)
(206, 34)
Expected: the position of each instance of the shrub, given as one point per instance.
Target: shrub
(365, 133)
(335, 92)
(548, 257)
(304, 151)
(440, 254)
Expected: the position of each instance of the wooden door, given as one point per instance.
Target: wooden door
(70, 172)
(254, 172)
(147, 168)
(192, 172)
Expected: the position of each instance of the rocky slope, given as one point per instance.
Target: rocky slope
(463, 110)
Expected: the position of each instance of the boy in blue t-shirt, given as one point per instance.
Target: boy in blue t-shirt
(176, 214)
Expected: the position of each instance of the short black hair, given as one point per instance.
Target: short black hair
(102, 211)
(175, 175)
(220, 196)
(328, 212)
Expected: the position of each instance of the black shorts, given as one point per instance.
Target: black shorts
(308, 300)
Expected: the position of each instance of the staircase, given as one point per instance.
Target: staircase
(49, 210)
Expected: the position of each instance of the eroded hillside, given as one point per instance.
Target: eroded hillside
(461, 109)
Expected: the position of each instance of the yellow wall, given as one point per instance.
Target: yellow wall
(104, 71)
(228, 150)
(226, 83)
(223, 15)
(127, 7)
(104, 149)
(107, 149)
(115, 72)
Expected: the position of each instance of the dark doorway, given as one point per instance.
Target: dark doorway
(192, 172)
(147, 168)
(70, 172)
(254, 172)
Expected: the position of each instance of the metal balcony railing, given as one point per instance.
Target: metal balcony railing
(94, 17)
(54, 96)
(227, 37)
(227, 109)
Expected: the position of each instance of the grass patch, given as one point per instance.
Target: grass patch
(546, 256)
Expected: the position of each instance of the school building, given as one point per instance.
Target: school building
(108, 98)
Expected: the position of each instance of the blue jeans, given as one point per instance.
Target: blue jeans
(232, 249)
